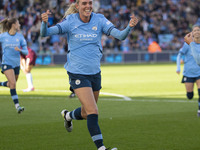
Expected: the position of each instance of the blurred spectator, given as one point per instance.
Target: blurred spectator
(165, 22)
(154, 48)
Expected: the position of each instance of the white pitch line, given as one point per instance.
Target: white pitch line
(64, 91)
(106, 99)
(117, 95)
(125, 98)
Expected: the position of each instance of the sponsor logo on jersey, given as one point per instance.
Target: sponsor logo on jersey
(86, 35)
(11, 45)
(77, 82)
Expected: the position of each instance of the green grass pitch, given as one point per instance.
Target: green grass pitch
(142, 107)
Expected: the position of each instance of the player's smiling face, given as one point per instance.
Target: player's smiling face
(85, 9)
(17, 26)
(196, 32)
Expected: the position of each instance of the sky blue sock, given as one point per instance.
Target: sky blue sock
(95, 132)
(76, 114)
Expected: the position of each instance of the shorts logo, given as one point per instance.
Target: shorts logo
(4, 67)
(77, 82)
(185, 79)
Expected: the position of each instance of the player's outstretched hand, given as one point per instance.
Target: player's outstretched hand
(133, 21)
(44, 16)
(188, 38)
(17, 49)
(178, 72)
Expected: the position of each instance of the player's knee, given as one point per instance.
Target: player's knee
(91, 111)
(190, 95)
(83, 114)
(12, 84)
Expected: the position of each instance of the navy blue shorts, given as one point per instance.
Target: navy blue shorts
(189, 79)
(79, 80)
(5, 67)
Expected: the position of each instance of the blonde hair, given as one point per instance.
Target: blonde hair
(72, 9)
(196, 25)
(6, 24)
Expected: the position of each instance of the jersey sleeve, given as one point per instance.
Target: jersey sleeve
(195, 53)
(184, 49)
(63, 27)
(182, 52)
(107, 26)
(23, 45)
(178, 62)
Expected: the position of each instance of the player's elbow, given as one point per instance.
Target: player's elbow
(121, 38)
(42, 34)
(26, 53)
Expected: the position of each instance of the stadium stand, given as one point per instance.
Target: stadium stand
(165, 22)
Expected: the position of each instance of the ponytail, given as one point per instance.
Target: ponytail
(71, 10)
(3, 25)
(6, 24)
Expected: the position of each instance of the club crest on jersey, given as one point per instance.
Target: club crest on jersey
(77, 82)
(4, 67)
(94, 28)
(17, 40)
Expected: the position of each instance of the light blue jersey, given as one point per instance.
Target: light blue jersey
(84, 41)
(10, 56)
(195, 48)
(191, 69)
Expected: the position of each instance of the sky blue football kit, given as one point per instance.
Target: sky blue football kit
(11, 57)
(83, 58)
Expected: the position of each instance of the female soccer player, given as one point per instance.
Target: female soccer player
(191, 73)
(13, 43)
(27, 62)
(84, 30)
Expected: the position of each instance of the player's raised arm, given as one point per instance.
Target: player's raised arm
(44, 30)
(188, 38)
(193, 39)
(45, 16)
(195, 52)
(121, 35)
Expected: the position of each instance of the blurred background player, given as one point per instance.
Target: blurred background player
(11, 42)
(193, 42)
(27, 62)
